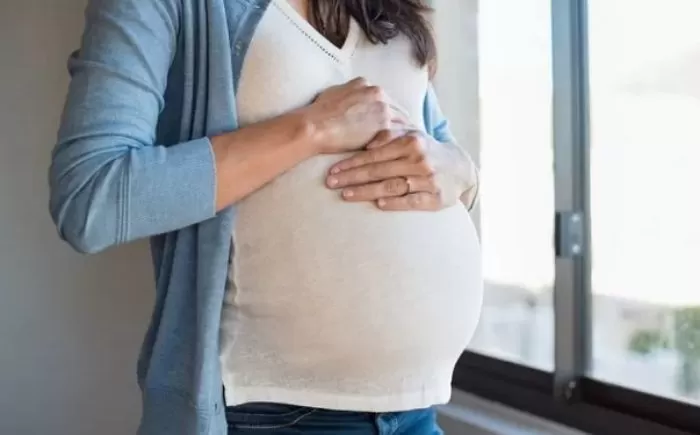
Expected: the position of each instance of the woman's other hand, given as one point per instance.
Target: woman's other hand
(410, 172)
(346, 117)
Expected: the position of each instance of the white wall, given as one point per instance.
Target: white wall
(457, 80)
(70, 326)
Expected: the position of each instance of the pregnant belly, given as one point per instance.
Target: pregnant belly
(317, 276)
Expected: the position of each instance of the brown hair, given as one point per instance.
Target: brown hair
(381, 21)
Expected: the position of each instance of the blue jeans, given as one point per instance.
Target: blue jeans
(269, 419)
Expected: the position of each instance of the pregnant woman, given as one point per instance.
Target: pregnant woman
(315, 270)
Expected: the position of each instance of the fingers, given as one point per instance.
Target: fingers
(385, 137)
(387, 145)
(377, 172)
(421, 201)
(387, 148)
(398, 117)
(357, 83)
(410, 141)
(375, 93)
(356, 89)
(392, 187)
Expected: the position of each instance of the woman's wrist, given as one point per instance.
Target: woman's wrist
(293, 131)
(251, 156)
(310, 131)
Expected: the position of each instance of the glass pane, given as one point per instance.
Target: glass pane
(504, 118)
(645, 96)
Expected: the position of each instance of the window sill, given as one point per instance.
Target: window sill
(469, 414)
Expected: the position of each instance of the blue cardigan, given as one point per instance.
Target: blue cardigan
(153, 79)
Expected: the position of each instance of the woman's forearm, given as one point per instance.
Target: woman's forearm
(342, 118)
(251, 157)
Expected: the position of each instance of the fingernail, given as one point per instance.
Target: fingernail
(381, 202)
(332, 181)
(348, 193)
(335, 170)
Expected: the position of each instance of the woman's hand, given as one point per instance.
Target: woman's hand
(410, 172)
(346, 117)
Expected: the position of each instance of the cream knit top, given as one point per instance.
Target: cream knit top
(332, 304)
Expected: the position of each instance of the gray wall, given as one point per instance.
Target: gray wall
(70, 326)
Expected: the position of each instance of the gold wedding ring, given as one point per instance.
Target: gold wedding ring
(409, 185)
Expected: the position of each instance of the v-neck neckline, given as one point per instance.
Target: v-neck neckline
(341, 54)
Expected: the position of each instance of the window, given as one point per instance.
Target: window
(583, 116)
(645, 152)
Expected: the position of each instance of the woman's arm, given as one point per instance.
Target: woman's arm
(111, 183)
(343, 118)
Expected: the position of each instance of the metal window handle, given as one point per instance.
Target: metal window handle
(569, 234)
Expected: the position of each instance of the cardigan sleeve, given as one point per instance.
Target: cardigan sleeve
(110, 183)
(438, 127)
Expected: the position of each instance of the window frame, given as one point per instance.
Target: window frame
(569, 395)
(597, 407)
